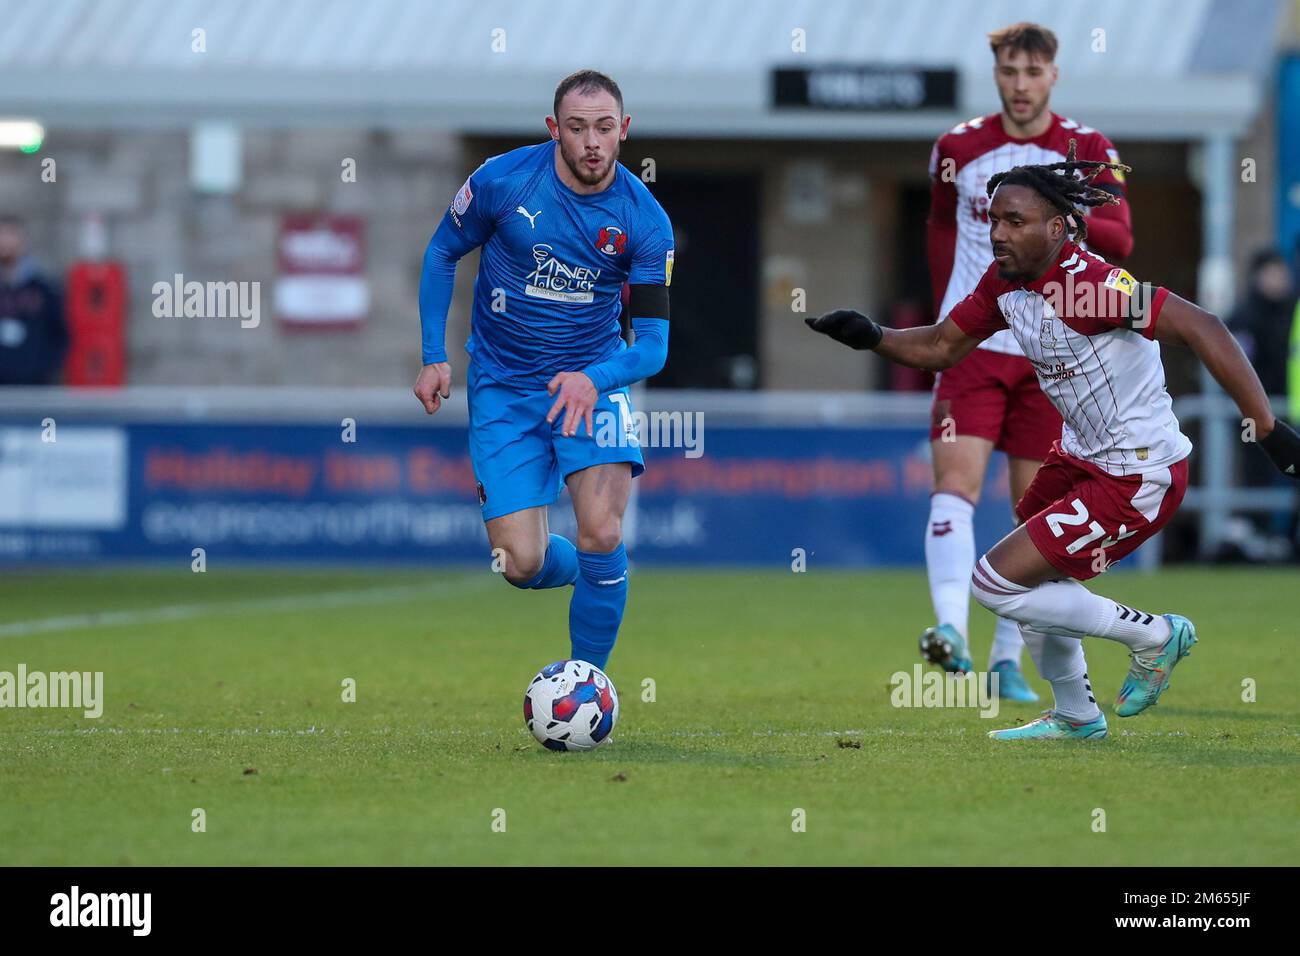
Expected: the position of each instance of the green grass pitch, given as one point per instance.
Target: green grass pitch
(224, 693)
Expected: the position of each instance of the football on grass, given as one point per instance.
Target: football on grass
(571, 705)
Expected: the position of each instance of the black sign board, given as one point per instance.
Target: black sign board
(864, 88)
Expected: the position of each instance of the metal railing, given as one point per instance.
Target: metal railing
(1218, 496)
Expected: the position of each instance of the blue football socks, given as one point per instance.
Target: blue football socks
(596, 610)
(559, 567)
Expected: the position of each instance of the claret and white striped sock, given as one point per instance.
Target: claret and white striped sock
(1069, 609)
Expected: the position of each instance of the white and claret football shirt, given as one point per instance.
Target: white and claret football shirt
(961, 164)
(1089, 329)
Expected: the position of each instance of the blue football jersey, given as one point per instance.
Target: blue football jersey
(553, 263)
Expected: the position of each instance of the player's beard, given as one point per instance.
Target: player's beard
(1037, 110)
(1010, 272)
(581, 173)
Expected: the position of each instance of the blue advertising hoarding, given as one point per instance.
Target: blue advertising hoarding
(847, 496)
(1288, 158)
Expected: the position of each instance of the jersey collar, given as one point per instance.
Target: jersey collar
(1041, 139)
(1068, 250)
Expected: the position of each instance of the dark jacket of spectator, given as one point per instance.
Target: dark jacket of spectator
(33, 332)
(1262, 320)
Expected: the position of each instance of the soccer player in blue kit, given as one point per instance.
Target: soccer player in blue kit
(563, 225)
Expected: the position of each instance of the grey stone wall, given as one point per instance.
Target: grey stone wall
(158, 226)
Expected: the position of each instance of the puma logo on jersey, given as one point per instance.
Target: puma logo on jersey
(532, 218)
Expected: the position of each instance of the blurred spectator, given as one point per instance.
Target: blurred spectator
(33, 334)
(1263, 322)
(1262, 319)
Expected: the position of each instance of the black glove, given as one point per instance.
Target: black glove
(845, 325)
(1282, 444)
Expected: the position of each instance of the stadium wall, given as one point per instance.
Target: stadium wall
(846, 239)
(346, 476)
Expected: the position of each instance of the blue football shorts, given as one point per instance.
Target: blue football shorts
(520, 461)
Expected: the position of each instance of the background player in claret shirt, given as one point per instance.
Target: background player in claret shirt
(563, 226)
(1119, 469)
(992, 400)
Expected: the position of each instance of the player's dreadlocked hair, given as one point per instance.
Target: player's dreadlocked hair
(1067, 192)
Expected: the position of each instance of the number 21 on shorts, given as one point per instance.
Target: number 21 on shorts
(1059, 521)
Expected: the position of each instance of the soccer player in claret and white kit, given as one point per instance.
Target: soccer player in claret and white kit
(992, 399)
(1119, 469)
(563, 226)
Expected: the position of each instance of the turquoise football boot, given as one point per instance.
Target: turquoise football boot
(1011, 683)
(1051, 727)
(1148, 675)
(944, 645)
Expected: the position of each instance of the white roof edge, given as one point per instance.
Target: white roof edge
(1181, 107)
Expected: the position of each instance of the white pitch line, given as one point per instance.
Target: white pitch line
(182, 612)
(522, 734)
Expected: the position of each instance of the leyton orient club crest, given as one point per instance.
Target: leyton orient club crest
(611, 241)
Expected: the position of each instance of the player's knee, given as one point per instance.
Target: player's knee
(523, 566)
(953, 482)
(992, 598)
(601, 537)
(985, 598)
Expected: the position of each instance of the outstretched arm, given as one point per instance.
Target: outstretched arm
(930, 347)
(1186, 323)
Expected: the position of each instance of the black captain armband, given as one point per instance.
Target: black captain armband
(648, 302)
(1131, 308)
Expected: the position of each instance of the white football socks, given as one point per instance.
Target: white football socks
(1060, 662)
(1007, 642)
(949, 561)
(950, 558)
(1068, 609)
